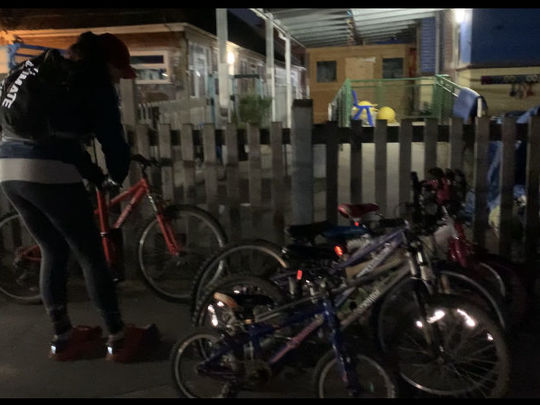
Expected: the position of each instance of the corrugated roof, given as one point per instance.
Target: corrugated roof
(318, 27)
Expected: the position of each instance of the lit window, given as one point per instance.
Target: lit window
(151, 66)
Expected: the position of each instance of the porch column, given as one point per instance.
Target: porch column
(222, 113)
(270, 72)
(288, 78)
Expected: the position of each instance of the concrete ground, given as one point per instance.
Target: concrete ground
(26, 372)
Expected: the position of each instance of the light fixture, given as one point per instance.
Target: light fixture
(459, 15)
(230, 58)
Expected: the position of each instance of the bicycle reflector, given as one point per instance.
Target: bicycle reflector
(299, 274)
(338, 250)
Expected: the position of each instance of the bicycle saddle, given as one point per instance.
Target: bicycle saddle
(308, 231)
(356, 211)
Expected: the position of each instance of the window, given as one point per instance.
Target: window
(326, 71)
(198, 69)
(392, 68)
(151, 66)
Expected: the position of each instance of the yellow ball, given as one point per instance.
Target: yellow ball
(386, 113)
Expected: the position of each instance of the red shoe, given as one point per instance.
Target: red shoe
(136, 344)
(85, 342)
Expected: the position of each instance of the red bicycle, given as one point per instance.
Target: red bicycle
(436, 206)
(171, 245)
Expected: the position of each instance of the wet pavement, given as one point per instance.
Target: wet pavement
(26, 372)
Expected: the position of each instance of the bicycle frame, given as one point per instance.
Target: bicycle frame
(324, 312)
(135, 194)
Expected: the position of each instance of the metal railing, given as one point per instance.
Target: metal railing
(414, 98)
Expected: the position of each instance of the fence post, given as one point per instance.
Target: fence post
(141, 145)
(481, 164)
(128, 96)
(210, 169)
(233, 181)
(533, 175)
(356, 162)
(507, 179)
(455, 159)
(278, 181)
(188, 159)
(405, 158)
(380, 135)
(331, 170)
(430, 145)
(165, 154)
(302, 162)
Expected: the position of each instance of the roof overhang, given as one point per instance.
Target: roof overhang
(317, 27)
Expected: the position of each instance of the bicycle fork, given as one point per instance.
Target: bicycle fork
(346, 362)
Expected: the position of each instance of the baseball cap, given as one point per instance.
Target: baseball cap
(117, 54)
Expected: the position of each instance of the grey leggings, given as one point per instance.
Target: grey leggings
(60, 217)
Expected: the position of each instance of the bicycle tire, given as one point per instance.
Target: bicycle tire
(515, 296)
(13, 289)
(481, 369)
(213, 268)
(385, 306)
(385, 384)
(265, 287)
(166, 290)
(179, 350)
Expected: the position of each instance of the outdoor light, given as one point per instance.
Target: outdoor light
(459, 15)
(230, 58)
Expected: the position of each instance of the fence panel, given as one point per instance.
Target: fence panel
(188, 163)
(405, 158)
(533, 176)
(507, 179)
(356, 162)
(210, 169)
(380, 134)
(481, 164)
(331, 171)
(166, 159)
(302, 163)
(278, 189)
(455, 160)
(233, 181)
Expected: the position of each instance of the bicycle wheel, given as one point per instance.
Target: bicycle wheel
(511, 285)
(456, 350)
(256, 256)
(264, 296)
(400, 301)
(187, 354)
(199, 235)
(20, 261)
(374, 380)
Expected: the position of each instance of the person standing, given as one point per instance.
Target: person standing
(41, 173)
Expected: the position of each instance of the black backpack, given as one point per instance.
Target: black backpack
(40, 100)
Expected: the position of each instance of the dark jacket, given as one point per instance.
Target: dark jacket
(104, 122)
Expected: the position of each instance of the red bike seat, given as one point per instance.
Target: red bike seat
(356, 210)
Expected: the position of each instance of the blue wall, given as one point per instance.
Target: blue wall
(427, 45)
(503, 36)
(465, 38)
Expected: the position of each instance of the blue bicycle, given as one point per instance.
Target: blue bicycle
(444, 344)
(252, 348)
